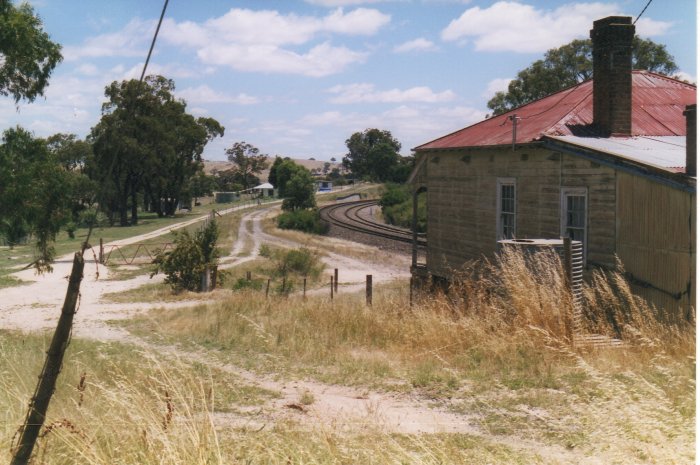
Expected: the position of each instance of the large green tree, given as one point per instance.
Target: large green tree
(35, 193)
(249, 162)
(147, 147)
(299, 191)
(76, 158)
(372, 154)
(282, 172)
(569, 65)
(272, 175)
(28, 54)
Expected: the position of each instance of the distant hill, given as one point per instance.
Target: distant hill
(210, 166)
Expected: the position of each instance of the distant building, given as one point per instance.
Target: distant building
(264, 190)
(610, 162)
(324, 186)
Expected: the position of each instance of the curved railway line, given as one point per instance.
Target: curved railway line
(348, 215)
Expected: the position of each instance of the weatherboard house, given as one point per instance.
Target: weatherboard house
(610, 162)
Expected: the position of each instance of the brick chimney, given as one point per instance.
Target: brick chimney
(691, 153)
(612, 75)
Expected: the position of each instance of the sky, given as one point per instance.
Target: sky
(298, 78)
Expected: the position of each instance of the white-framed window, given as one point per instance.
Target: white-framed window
(574, 214)
(505, 208)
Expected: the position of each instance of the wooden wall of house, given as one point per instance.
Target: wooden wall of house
(655, 239)
(462, 196)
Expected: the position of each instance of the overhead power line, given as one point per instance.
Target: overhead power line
(153, 42)
(640, 14)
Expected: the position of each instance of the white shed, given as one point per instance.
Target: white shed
(265, 190)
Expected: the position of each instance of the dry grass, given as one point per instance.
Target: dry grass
(497, 343)
(115, 404)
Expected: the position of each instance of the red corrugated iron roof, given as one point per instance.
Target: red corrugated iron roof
(657, 110)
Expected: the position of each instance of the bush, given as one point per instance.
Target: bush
(184, 265)
(303, 220)
(395, 194)
(243, 283)
(397, 207)
(303, 261)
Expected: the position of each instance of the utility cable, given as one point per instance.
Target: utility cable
(640, 14)
(153, 42)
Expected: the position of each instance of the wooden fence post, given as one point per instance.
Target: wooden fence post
(335, 280)
(39, 404)
(368, 290)
(102, 252)
(206, 278)
(267, 289)
(305, 288)
(248, 275)
(331, 287)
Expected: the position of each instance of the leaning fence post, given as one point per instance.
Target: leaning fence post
(368, 290)
(39, 404)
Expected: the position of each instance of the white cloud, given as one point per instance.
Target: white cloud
(416, 45)
(647, 27)
(327, 118)
(496, 85)
(88, 69)
(321, 60)
(518, 27)
(355, 93)
(411, 125)
(205, 94)
(170, 70)
(269, 27)
(262, 41)
(128, 42)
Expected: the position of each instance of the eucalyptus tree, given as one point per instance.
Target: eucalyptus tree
(569, 65)
(372, 154)
(76, 158)
(249, 162)
(28, 55)
(147, 147)
(35, 191)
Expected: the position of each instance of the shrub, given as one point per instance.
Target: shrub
(397, 207)
(70, 228)
(303, 261)
(184, 265)
(394, 195)
(243, 283)
(303, 220)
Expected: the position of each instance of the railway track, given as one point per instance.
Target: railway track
(348, 215)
